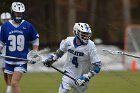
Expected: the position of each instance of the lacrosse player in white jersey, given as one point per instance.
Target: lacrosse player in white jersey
(82, 62)
(5, 16)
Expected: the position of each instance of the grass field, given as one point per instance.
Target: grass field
(105, 82)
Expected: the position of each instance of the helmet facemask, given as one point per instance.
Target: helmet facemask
(83, 36)
(17, 16)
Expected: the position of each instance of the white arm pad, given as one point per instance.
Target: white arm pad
(36, 42)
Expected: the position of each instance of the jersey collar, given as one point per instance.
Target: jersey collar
(16, 25)
(74, 42)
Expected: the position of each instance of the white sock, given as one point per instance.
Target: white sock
(9, 89)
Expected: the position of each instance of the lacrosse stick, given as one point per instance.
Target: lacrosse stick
(63, 72)
(29, 57)
(17, 58)
(1, 56)
(42, 62)
(45, 50)
(119, 53)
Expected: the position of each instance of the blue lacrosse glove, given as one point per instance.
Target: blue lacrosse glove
(82, 80)
(50, 60)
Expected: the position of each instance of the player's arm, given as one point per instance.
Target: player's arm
(35, 44)
(95, 62)
(53, 57)
(58, 54)
(33, 54)
(95, 68)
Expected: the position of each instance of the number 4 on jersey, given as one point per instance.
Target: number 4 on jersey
(75, 62)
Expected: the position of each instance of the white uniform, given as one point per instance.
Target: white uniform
(2, 63)
(78, 62)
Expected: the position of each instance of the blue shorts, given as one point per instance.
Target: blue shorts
(10, 68)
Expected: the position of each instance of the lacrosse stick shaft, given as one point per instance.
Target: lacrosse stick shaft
(119, 53)
(131, 55)
(14, 58)
(23, 59)
(63, 72)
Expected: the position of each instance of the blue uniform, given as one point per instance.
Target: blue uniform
(17, 39)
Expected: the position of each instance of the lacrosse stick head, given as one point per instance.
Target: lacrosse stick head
(34, 56)
(107, 51)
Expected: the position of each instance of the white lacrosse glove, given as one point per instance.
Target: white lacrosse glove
(34, 56)
(50, 60)
(82, 80)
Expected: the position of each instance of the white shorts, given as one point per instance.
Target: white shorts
(69, 84)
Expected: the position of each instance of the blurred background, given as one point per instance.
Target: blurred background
(54, 19)
(115, 25)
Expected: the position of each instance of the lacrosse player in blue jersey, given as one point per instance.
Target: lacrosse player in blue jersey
(16, 34)
(5, 16)
(82, 61)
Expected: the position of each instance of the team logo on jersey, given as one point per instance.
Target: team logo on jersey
(75, 52)
(24, 27)
(15, 31)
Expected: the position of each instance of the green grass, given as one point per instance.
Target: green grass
(105, 82)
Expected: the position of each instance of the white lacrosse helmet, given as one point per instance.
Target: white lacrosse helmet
(5, 16)
(17, 7)
(82, 31)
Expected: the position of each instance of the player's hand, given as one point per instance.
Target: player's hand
(34, 57)
(82, 80)
(50, 60)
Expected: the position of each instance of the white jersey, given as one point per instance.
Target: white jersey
(79, 59)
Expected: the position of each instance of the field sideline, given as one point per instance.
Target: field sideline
(105, 82)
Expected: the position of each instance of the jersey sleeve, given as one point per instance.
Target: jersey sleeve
(63, 45)
(93, 54)
(33, 33)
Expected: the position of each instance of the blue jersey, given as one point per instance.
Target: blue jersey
(17, 38)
